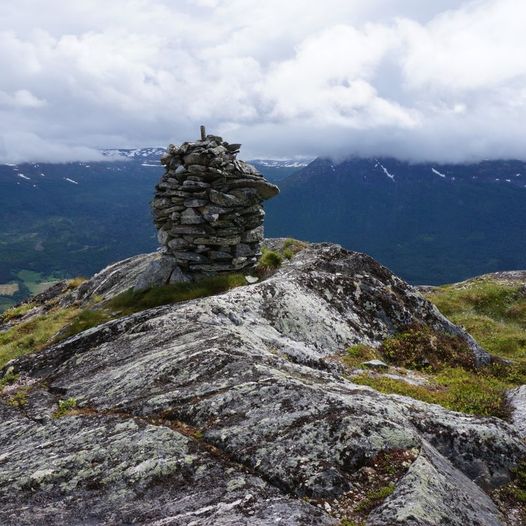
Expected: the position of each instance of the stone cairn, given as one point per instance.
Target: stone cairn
(208, 208)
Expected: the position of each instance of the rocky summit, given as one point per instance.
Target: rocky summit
(207, 209)
(235, 409)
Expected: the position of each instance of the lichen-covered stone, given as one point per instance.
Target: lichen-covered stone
(231, 410)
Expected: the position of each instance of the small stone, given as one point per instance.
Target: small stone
(178, 276)
(191, 217)
(197, 168)
(253, 235)
(195, 203)
(163, 236)
(191, 186)
(222, 199)
(244, 250)
(188, 256)
(157, 273)
(196, 158)
(161, 203)
(218, 255)
(187, 229)
(375, 364)
(219, 241)
(178, 243)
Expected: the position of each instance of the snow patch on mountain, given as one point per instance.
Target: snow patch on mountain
(436, 172)
(277, 163)
(120, 154)
(385, 170)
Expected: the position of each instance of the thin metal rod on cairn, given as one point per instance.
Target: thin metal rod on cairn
(203, 133)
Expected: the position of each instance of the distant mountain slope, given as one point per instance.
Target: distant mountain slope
(64, 220)
(429, 223)
(59, 220)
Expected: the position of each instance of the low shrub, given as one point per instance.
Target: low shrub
(20, 399)
(419, 347)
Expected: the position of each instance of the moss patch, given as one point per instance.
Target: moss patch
(375, 497)
(20, 398)
(493, 313)
(33, 335)
(59, 324)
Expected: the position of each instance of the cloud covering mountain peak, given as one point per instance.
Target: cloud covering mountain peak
(374, 78)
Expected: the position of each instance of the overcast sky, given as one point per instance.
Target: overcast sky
(441, 80)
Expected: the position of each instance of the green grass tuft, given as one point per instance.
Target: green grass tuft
(475, 393)
(59, 324)
(495, 315)
(357, 354)
(375, 497)
(33, 335)
(76, 282)
(10, 377)
(86, 319)
(16, 312)
(131, 301)
(270, 260)
(20, 399)
(65, 407)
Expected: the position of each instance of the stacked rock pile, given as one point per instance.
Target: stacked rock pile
(208, 207)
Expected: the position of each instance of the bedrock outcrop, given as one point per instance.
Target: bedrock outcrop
(232, 410)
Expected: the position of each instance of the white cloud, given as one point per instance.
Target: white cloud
(438, 80)
(20, 99)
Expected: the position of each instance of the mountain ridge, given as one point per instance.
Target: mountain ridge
(76, 218)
